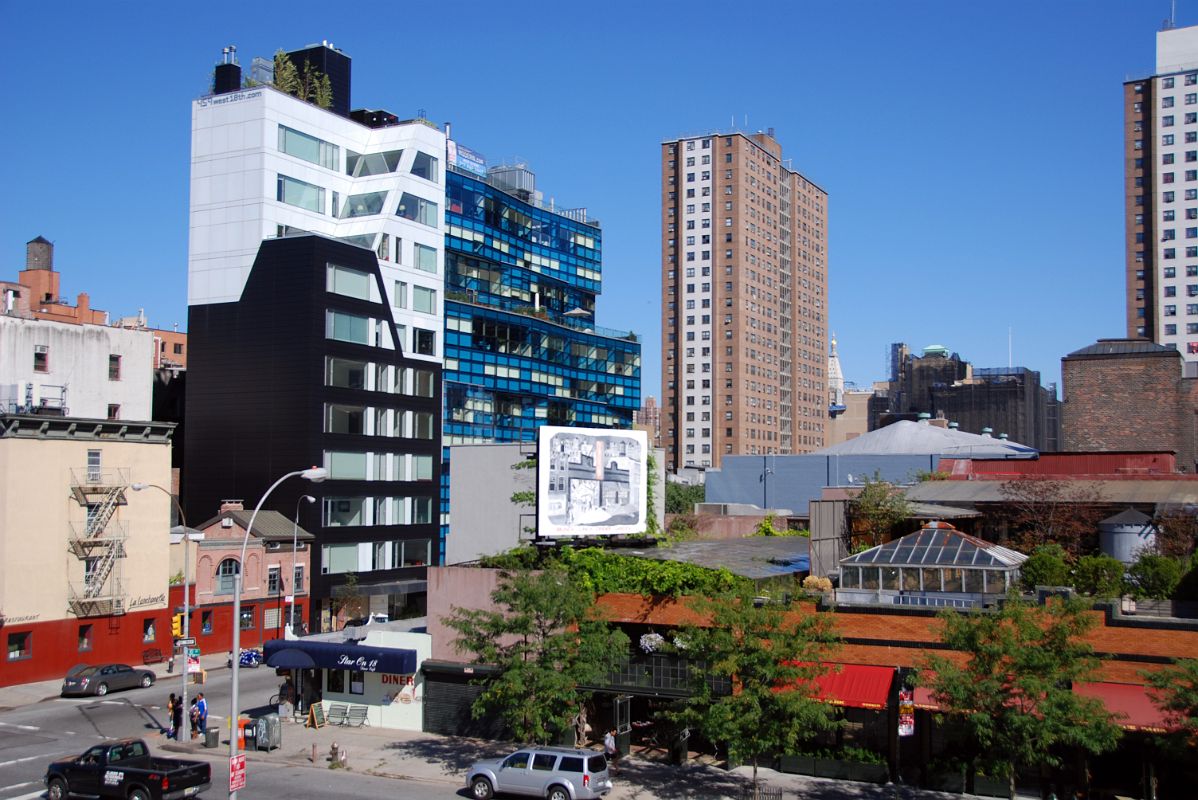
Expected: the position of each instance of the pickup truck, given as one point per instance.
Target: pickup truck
(125, 770)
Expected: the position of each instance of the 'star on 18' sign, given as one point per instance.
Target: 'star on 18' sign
(360, 664)
(236, 772)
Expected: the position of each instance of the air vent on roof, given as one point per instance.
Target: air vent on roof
(227, 522)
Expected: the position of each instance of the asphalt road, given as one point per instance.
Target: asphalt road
(34, 735)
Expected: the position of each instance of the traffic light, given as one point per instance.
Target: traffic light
(177, 625)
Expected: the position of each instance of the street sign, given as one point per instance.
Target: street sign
(185, 642)
(237, 772)
(906, 713)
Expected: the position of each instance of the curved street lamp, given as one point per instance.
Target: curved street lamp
(184, 733)
(294, 541)
(316, 475)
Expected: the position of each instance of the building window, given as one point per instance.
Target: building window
(347, 282)
(357, 682)
(41, 358)
(300, 194)
(298, 579)
(247, 619)
(178, 349)
(424, 300)
(20, 646)
(1166, 83)
(1167, 122)
(361, 205)
(425, 258)
(425, 166)
(148, 630)
(336, 681)
(274, 580)
(417, 209)
(348, 327)
(424, 342)
(309, 148)
(225, 575)
(114, 368)
(206, 622)
(114, 411)
(1170, 330)
(85, 638)
(1166, 102)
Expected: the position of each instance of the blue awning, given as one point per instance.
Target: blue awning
(342, 655)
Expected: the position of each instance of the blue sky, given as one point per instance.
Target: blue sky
(972, 150)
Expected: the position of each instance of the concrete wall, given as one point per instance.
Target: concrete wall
(455, 587)
(794, 481)
(483, 519)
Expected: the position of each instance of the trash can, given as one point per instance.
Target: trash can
(269, 732)
(212, 737)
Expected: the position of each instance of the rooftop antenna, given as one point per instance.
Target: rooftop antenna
(1010, 363)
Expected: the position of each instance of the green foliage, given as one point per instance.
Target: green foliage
(177, 579)
(1154, 576)
(757, 649)
(522, 557)
(604, 572)
(1099, 576)
(547, 642)
(682, 527)
(348, 598)
(681, 498)
(1046, 566)
(529, 463)
(1044, 510)
(323, 93)
(1012, 690)
(1187, 587)
(925, 475)
(286, 75)
(1175, 692)
(652, 526)
(766, 527)
(876, 509)
(525, 499)
(860, 755)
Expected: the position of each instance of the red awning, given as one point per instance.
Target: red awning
(1130, 701)
(924, 700)
(855, 685)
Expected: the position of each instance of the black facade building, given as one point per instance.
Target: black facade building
(306, 370)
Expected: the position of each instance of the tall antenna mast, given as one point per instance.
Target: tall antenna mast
(1010, 362)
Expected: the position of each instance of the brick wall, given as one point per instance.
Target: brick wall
(1129, 402)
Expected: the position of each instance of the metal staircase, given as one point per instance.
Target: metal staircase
(99, 542)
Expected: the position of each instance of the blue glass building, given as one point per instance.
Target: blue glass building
(521, 347)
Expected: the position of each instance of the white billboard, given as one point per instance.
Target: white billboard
(591, 481)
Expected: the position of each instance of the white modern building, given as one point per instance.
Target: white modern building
(265, 165)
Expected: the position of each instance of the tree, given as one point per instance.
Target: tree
(286, 75)
(1012, 690)
(876, 509)
(681, 497)
(546, 641)
(1175, 692)
(1051, 511)
(1099, 576)
(1154, 576)
(753, 667)
(323, 94)
(1177, 532)
(349, 600)
(1046, 566)
(652, 525)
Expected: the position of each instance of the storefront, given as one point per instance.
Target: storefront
(380, 672)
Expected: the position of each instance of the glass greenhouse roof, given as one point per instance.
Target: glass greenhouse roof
(938, 544)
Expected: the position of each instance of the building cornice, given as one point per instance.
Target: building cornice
(37, 426)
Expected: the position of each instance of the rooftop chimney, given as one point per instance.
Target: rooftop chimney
(231, 505)
(227, 77)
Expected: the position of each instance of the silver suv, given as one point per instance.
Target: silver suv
(556, 773)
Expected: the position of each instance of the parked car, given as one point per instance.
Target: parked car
(103, 678)
(125, 770)
(557, 773)
(369, 619)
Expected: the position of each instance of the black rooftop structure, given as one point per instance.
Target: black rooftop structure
(332, 62)
(1106, 348)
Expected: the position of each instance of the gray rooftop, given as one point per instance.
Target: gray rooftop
(1105, 348)
(1179, 492)
(916, 438)
(268, 526)
(755, 557)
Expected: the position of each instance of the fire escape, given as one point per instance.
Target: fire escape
(99, 542)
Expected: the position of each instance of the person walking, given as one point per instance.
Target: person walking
(610, 750)
(172, 730)
(202, 713)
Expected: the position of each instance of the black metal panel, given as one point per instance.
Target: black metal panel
(256, 395)
(448, 700)
(333, 63)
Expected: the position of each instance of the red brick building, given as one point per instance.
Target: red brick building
(1129, 394)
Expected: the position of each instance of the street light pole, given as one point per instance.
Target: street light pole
(294, 542)
(184, 735)
(316, 475)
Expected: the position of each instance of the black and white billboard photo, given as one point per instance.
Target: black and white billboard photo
(591, 481)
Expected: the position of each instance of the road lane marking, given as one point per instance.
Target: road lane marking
(17, 786)
(29, 796)
(19, 760)
(20, 727)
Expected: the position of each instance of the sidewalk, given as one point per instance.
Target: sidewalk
(444, 760)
